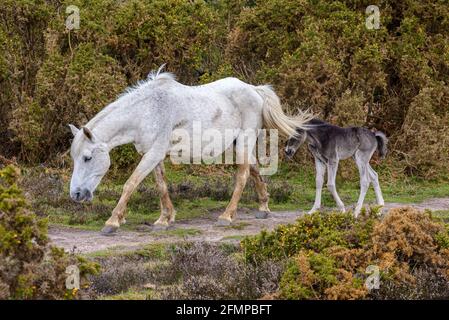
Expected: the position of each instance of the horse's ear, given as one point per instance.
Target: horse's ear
(74, 129)
(89, 135)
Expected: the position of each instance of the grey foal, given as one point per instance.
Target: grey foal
(329, 144)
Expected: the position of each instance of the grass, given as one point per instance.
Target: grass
(196, 191)
(156, 251)
(237, 226)
(442, 215)
(234, 237)
(132, 294)
(179, 232)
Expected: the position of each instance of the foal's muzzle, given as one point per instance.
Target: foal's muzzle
(289, 152)
(80, 195)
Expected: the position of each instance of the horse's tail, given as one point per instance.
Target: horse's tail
(382, 142)
(275, 118)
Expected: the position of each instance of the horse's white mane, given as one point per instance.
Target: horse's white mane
(152, 76)
(159, 75)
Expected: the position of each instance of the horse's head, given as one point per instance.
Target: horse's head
(294, 142)
(90, 163)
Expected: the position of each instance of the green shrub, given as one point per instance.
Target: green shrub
(124, 157)
(312, 275)
(311, 232)
(328, 255)
(29, 267)
(89, 81)
(320, 55)
(317, 54)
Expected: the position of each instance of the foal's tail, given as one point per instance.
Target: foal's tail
(275, 118)
(382, 142)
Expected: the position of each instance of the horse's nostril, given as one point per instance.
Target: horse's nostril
(76, 196)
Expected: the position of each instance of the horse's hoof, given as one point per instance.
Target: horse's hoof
(223, 222)
(109, 230)
(261, 215)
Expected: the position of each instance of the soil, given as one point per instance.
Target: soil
(199, 229)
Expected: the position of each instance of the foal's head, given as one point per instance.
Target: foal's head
(90, 163)
(294, 142)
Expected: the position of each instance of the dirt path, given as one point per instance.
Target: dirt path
(200, 229)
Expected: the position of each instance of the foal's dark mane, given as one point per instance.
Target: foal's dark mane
(316, 123)
(323, 132)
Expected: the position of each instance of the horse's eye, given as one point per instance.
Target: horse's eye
(87, 159)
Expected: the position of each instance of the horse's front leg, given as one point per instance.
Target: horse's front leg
(167, 210)
(145, 166)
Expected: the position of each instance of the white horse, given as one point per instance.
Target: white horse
(147, 115)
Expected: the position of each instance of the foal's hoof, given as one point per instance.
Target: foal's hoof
(223, 222)
(261, 215)
(109, 230)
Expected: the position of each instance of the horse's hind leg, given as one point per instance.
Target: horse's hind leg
(362, 161)
(332, 168)
(319, 180)
(167, 210)
(261, 188)
(375, 181)
(244, 156)
(231, 210)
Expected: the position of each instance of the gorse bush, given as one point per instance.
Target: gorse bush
(328, 255)
(89, 79)
(318, 54)
(76, 73)
(29, 267)
(313, 232)
(312, 275)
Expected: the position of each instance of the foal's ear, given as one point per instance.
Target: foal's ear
(89, 135)
(74, 129)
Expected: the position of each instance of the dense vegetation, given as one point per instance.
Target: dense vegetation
(321, 256)
(30, 268)
(329, 256)
(318, 54)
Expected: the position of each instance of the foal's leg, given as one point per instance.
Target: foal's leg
(167, 210)
(261, 188)
(319, 180)
(145, 166)
(361, 160)
(332, 168)
(375, 181)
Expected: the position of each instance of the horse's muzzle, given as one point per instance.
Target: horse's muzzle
(80, 195)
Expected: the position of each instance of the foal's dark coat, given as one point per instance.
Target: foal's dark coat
(324, 138)
(329, 144)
